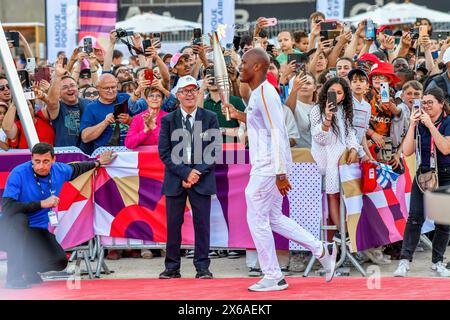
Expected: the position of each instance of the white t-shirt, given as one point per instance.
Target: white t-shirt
(270, 153)
(361, 118)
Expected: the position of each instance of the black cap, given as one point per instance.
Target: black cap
(357, 71)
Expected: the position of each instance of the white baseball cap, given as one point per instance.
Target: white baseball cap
(446, 56)
(185, 82)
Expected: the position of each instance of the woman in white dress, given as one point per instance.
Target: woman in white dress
(332, 133)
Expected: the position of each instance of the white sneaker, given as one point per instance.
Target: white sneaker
(269, 285)
(440, 270)
(402, 269)
(328, 261)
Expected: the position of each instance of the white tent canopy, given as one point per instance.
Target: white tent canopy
(150, 22)
(399, 13)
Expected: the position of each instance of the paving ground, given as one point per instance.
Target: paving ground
(236, 268)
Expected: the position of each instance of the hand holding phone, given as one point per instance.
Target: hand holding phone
(148, 74)
(370, 30)
(384, 92)
(209, 71)
(197, 36)
(332, 98)
(88, 45)
(271, 22)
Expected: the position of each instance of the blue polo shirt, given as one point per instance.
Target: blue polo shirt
(425, 145)
(97, 111)
(22, 187)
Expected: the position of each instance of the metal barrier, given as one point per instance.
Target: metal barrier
(345, 252)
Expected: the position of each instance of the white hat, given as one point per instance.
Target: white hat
(446, 56)
(186, 81)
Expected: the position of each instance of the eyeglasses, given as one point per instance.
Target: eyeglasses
(122, 71)
(429, 102)
(73, 85)
(109, 88)
(154, 96)
(91, 94)
(2, 113)
(188, 92)
(379, 76)
(85, 76)
(3, 87)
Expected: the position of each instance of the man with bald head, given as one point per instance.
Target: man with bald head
(105, 121)
(270, 158)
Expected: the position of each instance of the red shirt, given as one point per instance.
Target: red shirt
(44, 131)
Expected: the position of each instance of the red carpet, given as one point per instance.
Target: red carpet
(236, 289)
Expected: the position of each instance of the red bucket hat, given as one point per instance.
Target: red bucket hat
(385, 69)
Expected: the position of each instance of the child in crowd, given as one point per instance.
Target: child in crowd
(359, 83)
(301, 41)
(287, 46)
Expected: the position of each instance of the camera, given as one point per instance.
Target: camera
(121, 33)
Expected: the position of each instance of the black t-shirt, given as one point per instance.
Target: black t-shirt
(425, 143)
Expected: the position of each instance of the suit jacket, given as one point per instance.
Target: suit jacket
(176, 172)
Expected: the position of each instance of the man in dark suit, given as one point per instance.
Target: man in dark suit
(189, 156)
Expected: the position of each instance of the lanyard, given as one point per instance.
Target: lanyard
(52, 192)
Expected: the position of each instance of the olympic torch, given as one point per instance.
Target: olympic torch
(220, 72)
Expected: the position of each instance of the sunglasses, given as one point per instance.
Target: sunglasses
(91, 94)
(85, 76)
(3, 87)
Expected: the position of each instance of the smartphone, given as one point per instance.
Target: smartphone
(329, 34)
(31, 65)
(157, 38)
(328, 25)
(148, 74)
(333, 72)
(42, 73)
(347, 26)
(197, 36)
(236, 42)
(65, 61)
(209, 71)
(147, 43)
(384, 92)
(332, 97)
(387, 32)
(229, 46)
(227, 59)
(271, 22)
(270, 48)
(120, 108)
(24, 78)
(423, 31)
(300, 60)
(370, 29)
(88, 45)
(13, 36)
(417, 104)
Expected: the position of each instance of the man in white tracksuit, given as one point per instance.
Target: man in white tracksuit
(270, 157)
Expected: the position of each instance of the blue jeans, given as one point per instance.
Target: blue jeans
(416, 219)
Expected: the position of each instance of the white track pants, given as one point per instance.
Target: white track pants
(264, 215)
